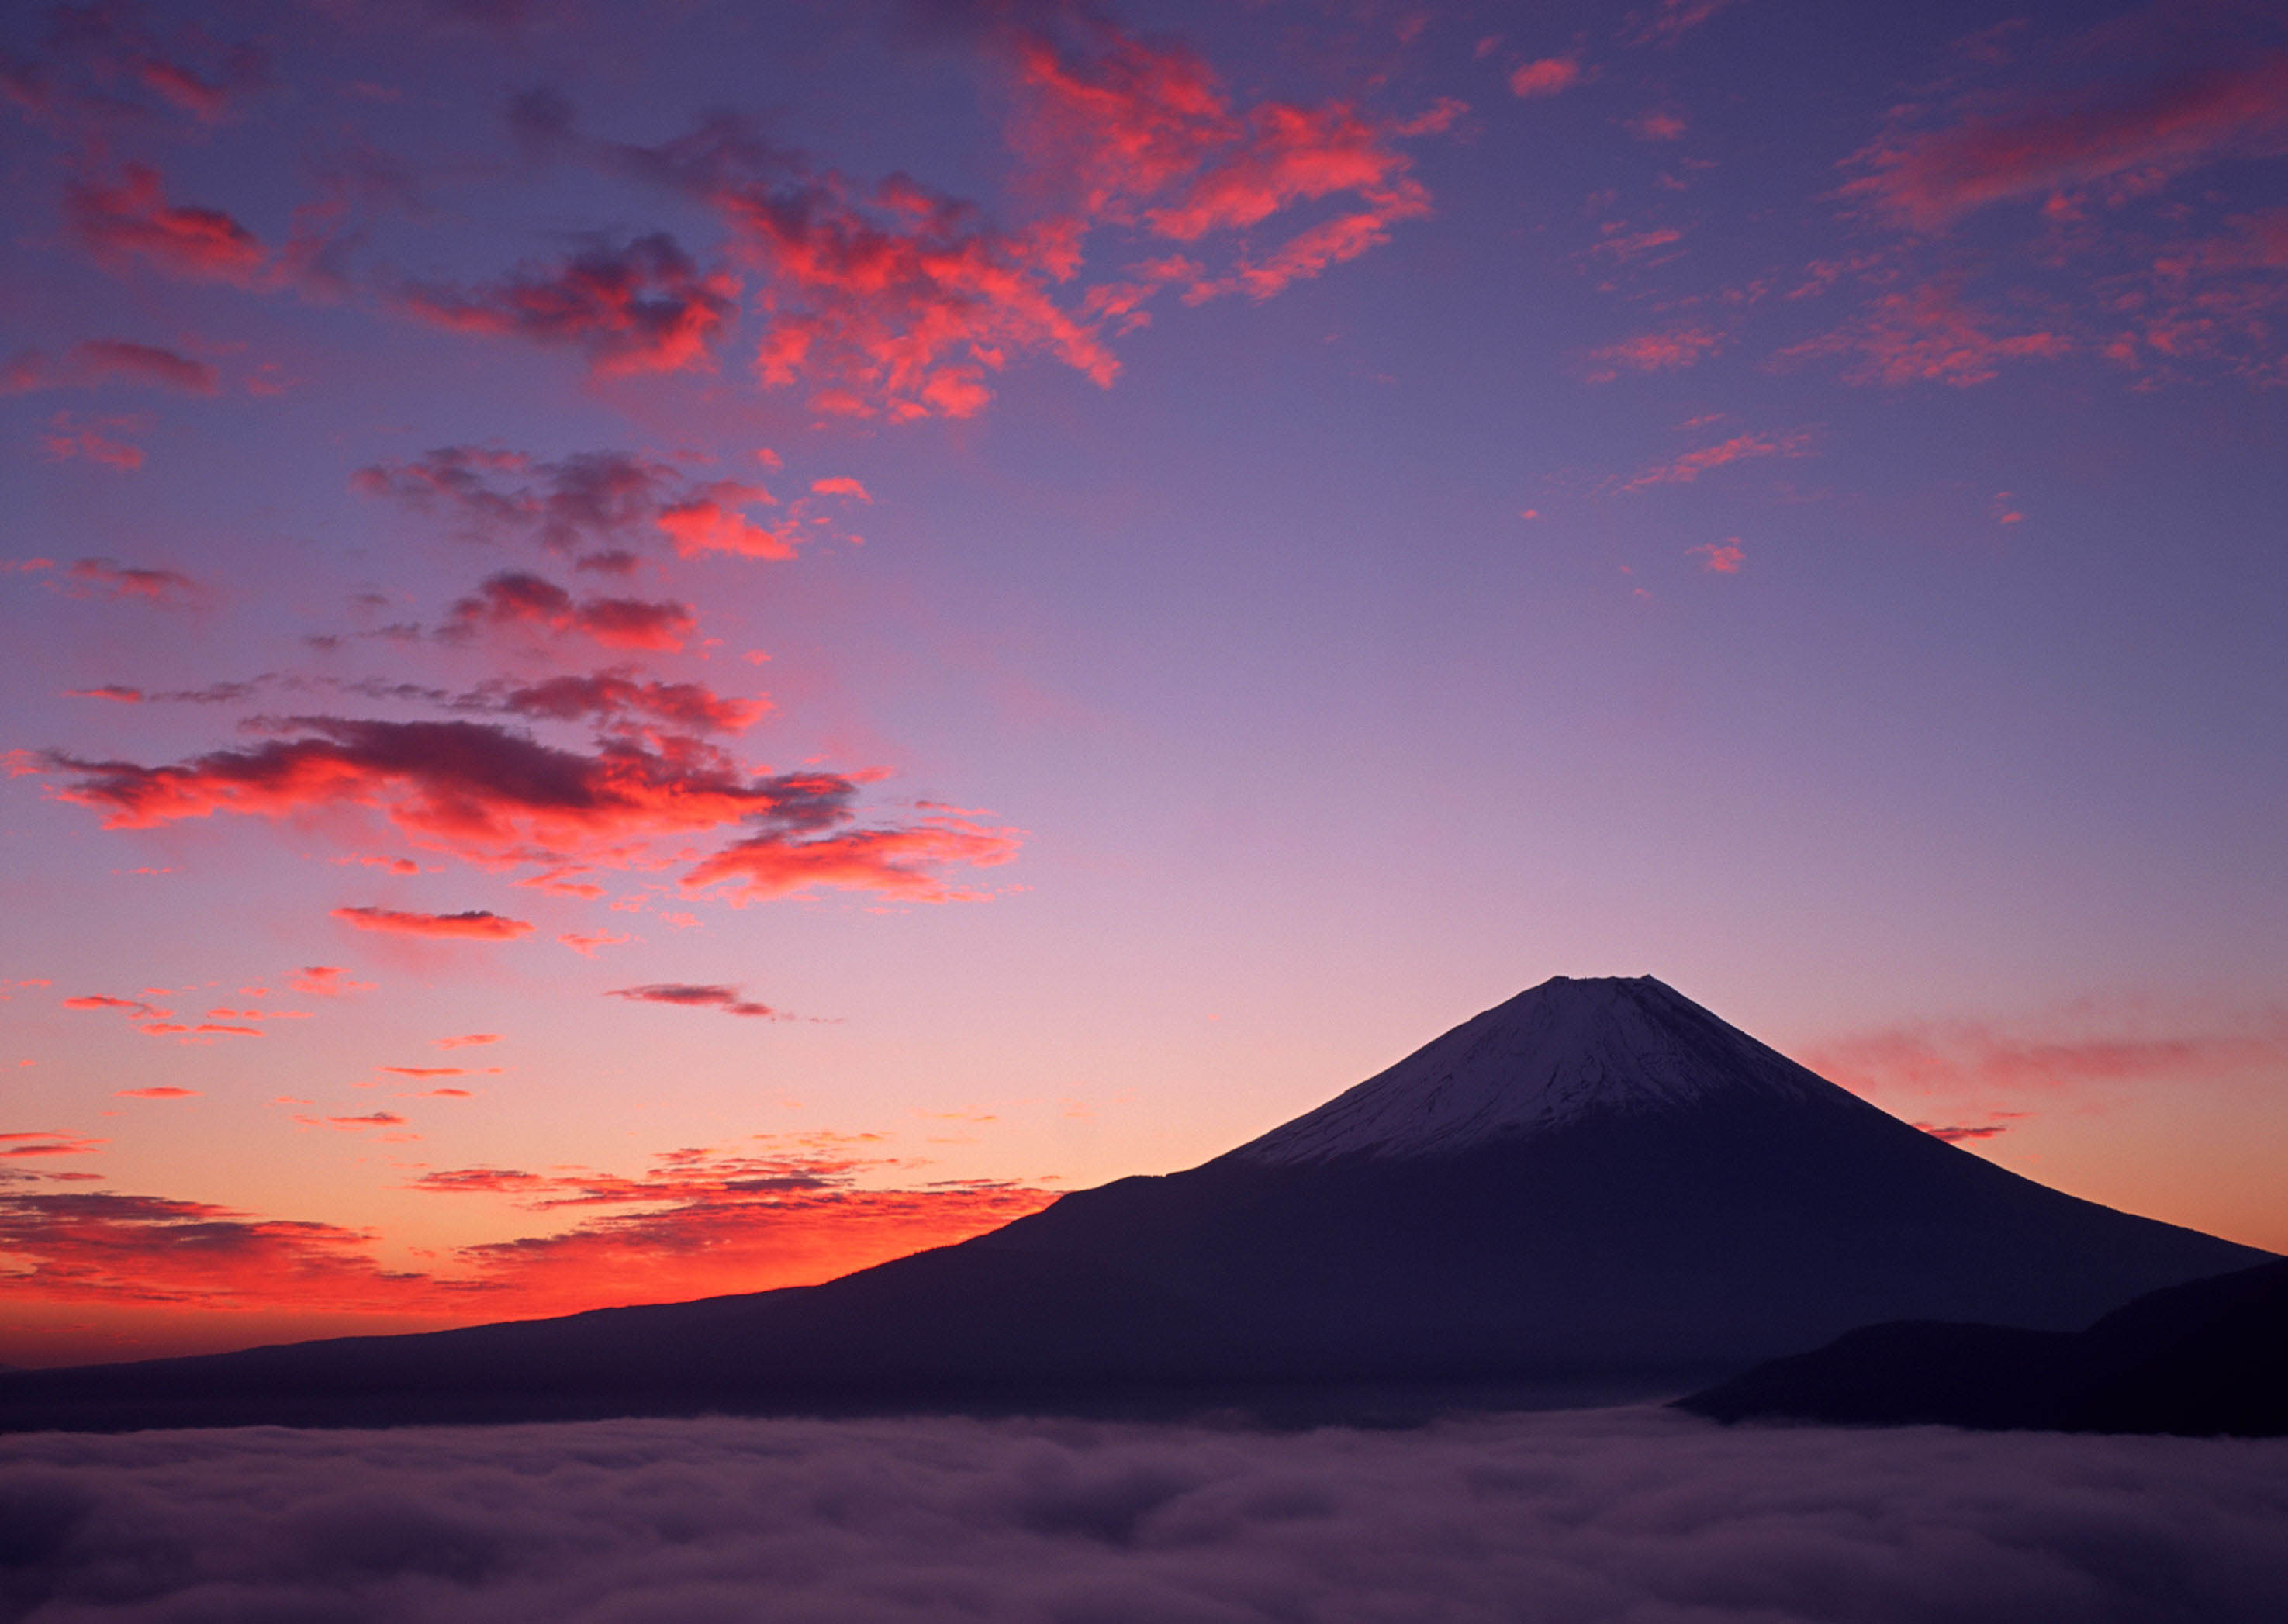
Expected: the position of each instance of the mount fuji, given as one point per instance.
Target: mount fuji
(1597, 1182)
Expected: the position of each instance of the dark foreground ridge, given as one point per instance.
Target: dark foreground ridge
(1597, 1190)
(2203, 1358)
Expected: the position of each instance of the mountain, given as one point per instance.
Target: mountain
(1598, 1184)
(2206, 1357)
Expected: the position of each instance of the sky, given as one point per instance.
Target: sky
(669, 649)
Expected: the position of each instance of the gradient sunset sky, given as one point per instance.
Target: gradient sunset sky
(659, 649)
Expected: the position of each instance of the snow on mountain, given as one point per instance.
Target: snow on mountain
(1551, 1056)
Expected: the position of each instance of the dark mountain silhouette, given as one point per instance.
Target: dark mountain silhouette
(1596, 1182)
(2205, 1358)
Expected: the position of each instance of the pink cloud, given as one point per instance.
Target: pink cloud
(1664, 351)
(89, 446)
(2161, 127)
(1660, 124)
(841, 486)
(1720, 558)
(112, 579)
(156, 1093)
(134, 217)
(471, 1040)
(586, 945)
(1928, 334)
(1688, 468)
(326, 981)
(1545, 77)
(107, 360)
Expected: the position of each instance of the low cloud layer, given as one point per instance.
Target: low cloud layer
(1630, 1513)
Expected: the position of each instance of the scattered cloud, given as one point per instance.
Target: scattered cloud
(1544, 77)
(1972, 1059)
(1928, 334)
(22, 1145)
(1658, 125)
(586, 945)
(492, 796)
(519, 598)
(111, 579)
(2135, 135)
(1662, 352)
(326, 981)
(99, 362)
(1723, 558)
(477, 924)
(643, 306)
(1667, 24)
(156, 1093)
(471, 1040)
(130, 218)
(723, 998)
(1741, 447)
(76, 440)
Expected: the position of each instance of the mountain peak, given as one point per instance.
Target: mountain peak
(1555, 1054)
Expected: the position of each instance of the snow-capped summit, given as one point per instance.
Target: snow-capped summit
(1551, 1056)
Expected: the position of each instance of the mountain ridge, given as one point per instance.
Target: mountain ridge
(1715, 1206)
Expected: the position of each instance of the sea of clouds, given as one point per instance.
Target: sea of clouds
(1631, 1514)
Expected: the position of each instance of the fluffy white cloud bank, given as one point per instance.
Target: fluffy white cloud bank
(1627, 1515)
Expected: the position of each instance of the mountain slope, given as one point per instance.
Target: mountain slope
(1598, 1180)
(2205, 1358)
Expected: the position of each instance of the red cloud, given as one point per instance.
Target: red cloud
(470, 1040)
(159, 1093)
(103, 361)
(723, 998)
(476, 923)
(134, 217)
(128, 1006)
(425, 1070)
(48, 1145)
(2158, 129)
(354, 1124)
(111, 691)
(1657, 125)
(114, 580)
(840, 487)
(492, 796)
(711, 522)
(642, 308)
(1692, 464)
(700, 1222)
(516, 597)
(1545, 77)
(1722, 558)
